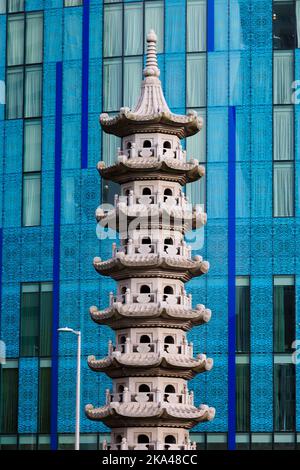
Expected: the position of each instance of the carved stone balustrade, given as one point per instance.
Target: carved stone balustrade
(156, 151)
(151, 446)
(151, 297)
(158, 346)
(155, 248)
(157, 396)
(155, 198)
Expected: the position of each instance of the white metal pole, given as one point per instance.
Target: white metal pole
(77, 427)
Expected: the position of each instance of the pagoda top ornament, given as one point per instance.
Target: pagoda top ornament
(152, 108)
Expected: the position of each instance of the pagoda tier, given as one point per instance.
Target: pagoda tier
(158, 264)
(153, 168)
(150, 414)
(150, 364)
(147, 315)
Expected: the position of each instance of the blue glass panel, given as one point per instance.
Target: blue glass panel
(31, 254)
(175, 25)
(13, 146)
(261, 189)
(215, 389)
(28, 395)
(261, 134)
(70, 236)
(71, 143)
(95, 88)
(11, 249)
(72, 33)
(175, 80)
(53, 4)
(47, 198)
(261, 392)
(217, 186)
(12, 200)
(95, 48)
(242, 247)
(217, 301)
(217, 135)
(52, 35)
(49, 73)
(284, 245)
(239, 78)
(10, 324)
(217, 65)
(262, 308)
(47, 253)
(71, 87)
(261, 77)
(94, 142)
(243, 190)
(34, 5)
(243, 150)
(221, 25)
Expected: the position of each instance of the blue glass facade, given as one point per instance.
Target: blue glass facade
(242, 237)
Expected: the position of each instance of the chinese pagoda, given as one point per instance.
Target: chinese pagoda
(150, 405)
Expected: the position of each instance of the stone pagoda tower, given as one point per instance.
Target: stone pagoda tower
(150, 406)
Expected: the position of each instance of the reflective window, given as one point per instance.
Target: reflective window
(73, 3)
(9, 398)
(242, 312)
(44, 399)
(242, 397)
(284, 25)
(24, 74)
(196, 25)
(36, 319)
(284, 397)
(284, 313)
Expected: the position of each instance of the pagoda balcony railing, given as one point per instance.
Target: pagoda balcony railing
(164, 300)
(158, 347)
(157, 151)
(157, 396)
(156, 198)
(149, 446)
(155, 248)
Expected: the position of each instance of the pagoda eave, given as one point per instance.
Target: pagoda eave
(150, 315)
(150, 414)
(127, 170)
(177, 219)
(127, 123)
(163, 266)
(153, 364)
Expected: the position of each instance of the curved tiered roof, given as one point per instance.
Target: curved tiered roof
(152, 314)
(153, 168)
(151, 365)
(158, 265)
(151, 113)
(150, 414)
(177, 218)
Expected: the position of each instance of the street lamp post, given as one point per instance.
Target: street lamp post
(78, 378)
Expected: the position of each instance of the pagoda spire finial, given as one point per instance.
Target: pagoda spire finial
(151, 69)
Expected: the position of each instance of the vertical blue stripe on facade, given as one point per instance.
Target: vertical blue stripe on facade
(1, 246)
(231, 278)
(85, 84)
(210, 25)
(56, 253)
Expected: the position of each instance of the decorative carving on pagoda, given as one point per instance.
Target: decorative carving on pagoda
(149, 405)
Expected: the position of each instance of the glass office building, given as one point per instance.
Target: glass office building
(61, 64)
